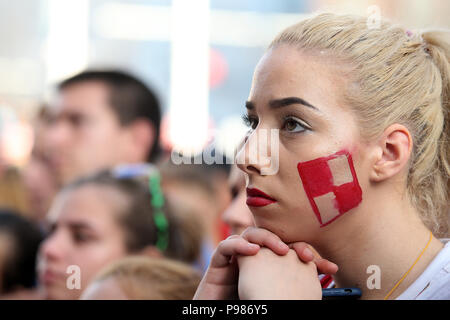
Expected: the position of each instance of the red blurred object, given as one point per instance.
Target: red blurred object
(218, 68)
(327, 281)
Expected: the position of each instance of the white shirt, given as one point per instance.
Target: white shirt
(434, 282)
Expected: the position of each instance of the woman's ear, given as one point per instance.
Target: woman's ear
(151, 251)
(392, 152)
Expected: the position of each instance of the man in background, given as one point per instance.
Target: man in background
(101, 119)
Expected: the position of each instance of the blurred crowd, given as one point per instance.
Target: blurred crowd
(100, 211)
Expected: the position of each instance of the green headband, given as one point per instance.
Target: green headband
(157, 197)
(157, 201)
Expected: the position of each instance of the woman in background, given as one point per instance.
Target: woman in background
(102, 218)
(39, 180)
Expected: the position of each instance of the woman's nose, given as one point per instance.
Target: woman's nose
(238, 216)
(51, 247)
(259, 153)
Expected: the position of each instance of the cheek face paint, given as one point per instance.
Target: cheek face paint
(331, 185)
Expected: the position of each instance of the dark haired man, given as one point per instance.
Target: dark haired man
(102, 119)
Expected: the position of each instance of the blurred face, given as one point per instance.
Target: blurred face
(86, 134)
(84, 232)
(238, 216)
(40, 184)
(300, 95)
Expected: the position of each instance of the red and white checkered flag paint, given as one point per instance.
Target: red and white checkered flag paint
(331, 185)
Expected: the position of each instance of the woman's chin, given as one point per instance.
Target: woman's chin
(61, 293)
(288, 233)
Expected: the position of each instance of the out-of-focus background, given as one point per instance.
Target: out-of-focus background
(198, 55)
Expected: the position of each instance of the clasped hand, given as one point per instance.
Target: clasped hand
(258, 265)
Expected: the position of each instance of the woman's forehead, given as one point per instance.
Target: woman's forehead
(285, 71)
(288, 60)
(88, 204)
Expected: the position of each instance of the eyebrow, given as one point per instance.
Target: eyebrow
(79, 225)
(66, 116)
(284, 102)
(71, 225)
(72, 114)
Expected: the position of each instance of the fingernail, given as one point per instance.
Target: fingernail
(308, 253)
(252, 245)
(282, 245)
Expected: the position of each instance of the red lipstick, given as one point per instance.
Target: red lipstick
(257, 198)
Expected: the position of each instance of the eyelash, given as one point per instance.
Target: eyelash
(252, 122)
(297, 121)
(80, 237)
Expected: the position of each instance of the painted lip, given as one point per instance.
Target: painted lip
(49, 276)
(257, 198)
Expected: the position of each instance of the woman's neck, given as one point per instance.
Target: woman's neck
(382, 240)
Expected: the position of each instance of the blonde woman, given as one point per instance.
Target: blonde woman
(363, 120)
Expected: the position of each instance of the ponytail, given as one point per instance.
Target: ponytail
(437, 45)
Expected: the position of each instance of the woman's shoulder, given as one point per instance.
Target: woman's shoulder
(434, 282)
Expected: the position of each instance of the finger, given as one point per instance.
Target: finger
(306, 255)
(265, 238)
(230, 247)
(303, 252)
(325, 266)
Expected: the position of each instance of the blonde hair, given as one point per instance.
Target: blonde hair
(144, 278)
(395, 76)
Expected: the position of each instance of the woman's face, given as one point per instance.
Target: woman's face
(84, 232)
(40, 184)
(237, 216)
(301, 95)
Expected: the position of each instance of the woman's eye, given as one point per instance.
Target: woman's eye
(250, 122)
(293, 125)
(77, 120)
(80, 237)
